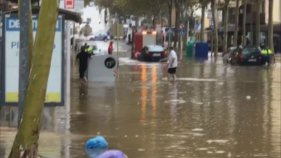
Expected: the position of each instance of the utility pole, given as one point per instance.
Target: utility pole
(23, 54)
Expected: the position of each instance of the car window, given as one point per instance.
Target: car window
(248, 51)
(231, 50)
(100, 34)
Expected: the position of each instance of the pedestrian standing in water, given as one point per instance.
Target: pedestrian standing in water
(110, 48)
(83, 57)
(172, 64)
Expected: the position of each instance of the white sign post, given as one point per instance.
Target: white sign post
(11, 66)
(102, 68)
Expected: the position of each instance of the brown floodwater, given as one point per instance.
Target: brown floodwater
(213, 110)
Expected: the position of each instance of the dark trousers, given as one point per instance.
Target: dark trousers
(267, 59)
(82, 70)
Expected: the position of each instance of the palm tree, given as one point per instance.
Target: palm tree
(215, 33)
(270, 25)
(203, 7)
(225, 20)
(236, 23)
(258, 19)
(244, 21)
(26, 141)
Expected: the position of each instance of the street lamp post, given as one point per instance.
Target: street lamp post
(23, 54)
(117, 34)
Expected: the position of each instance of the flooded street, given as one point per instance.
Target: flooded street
(213, 110)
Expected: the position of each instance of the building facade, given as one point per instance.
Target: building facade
(251, 22)
(276, 11)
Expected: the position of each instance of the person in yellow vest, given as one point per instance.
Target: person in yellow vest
(266, 54)
(90, 50)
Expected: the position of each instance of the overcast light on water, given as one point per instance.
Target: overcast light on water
(213, 110)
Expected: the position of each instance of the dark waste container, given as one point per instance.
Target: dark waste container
(201, 50)
(189, 49)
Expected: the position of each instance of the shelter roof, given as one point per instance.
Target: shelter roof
(68, 15)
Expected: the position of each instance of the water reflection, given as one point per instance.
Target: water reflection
(148, 90)
(235, 115)
(274, 112)
(144, 89)
(173, 100)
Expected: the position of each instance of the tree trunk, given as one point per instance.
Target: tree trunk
(176, 39)
(225, 36)
(170, 6)
(257, 41)
(160, 17)
(26, 141)
(191, 25)
(244, 22)
(235, 39)
(270, 26)
(202, 22)
(215, 33)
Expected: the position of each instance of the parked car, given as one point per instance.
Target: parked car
(152, 53)
(244, 56)
(99, 36)
(230, 56)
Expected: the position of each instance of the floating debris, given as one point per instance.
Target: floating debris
(197, 130)
(198, 134)
(218, 141)
(176, 101)
(202, 149)
(140, 149)
(220, 152)
(248, 97)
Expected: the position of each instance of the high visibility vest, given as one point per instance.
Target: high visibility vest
(89, 50)
(266, 52)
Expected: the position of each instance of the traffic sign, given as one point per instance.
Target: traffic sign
(109, 62)
(69, 4)
(102, 68)
(117, 30)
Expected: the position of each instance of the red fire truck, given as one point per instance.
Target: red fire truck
(148, 46)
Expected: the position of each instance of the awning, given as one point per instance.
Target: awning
(16, 1)
(68, 15)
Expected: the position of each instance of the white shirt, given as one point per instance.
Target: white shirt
(172, 56)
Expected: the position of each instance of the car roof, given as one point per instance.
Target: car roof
(155, 48)
(232, 48)
(100, 33)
